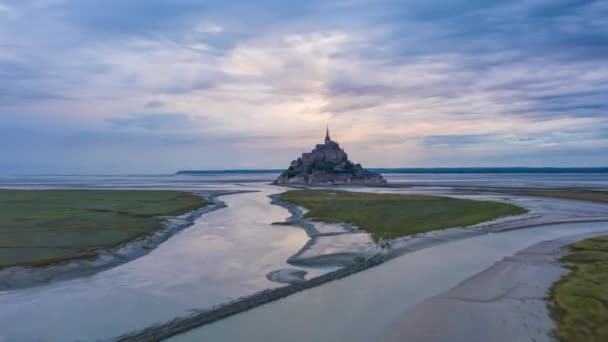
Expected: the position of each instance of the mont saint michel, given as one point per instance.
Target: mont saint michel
(165, 176)
(327, 164)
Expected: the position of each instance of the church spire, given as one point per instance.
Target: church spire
(327, 138)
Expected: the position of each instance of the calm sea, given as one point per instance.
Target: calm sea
(206, 180)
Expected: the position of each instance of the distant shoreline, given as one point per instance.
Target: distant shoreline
(439, 170)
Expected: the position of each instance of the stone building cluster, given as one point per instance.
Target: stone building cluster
(327, 164)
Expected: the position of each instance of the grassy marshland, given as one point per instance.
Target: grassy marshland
(579, 301)
(392, 215)
(39, 227)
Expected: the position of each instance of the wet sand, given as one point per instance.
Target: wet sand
(365, 305)
(287, 276)
(346, 246)
(506, 302)
(229, 254)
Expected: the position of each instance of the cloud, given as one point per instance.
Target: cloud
(154, 122)
(154, 104)
(402, 83)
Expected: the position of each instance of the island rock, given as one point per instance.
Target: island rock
(327, 164)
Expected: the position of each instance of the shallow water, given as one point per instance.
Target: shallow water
(362, 306)
(173, 182)
(228, 253)
(225, 255)
(223, 180)
(536, 180)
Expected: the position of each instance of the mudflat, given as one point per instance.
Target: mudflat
(583, 195)
(41, 227)
(395, 215)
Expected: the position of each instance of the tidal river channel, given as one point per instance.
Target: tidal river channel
(228, 253)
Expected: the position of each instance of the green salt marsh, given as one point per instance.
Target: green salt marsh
(40, 227)
(579, 301)
(394, 215)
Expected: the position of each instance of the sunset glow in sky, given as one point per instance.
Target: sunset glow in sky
(99, 86)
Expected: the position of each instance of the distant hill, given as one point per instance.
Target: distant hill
(215, 172)
(454, 170)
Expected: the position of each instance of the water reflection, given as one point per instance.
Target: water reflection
(362, 306)
(228, 253)
(225, 255)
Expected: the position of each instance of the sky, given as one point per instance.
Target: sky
(155, 86)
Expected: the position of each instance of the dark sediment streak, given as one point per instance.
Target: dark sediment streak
(184, 324)
(297, 219)
(287, 276)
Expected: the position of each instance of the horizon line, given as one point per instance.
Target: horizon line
(413, 170)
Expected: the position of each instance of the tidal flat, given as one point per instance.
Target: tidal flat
(368, 305)
(228, 253)
(42, 227)
(582, 195)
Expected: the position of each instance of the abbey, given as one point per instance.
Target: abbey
(327, 164)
